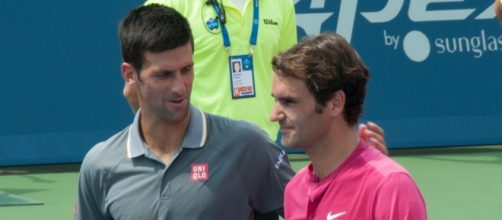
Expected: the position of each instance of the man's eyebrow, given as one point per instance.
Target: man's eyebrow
(189, 65)
(165, 72)
(284, 98)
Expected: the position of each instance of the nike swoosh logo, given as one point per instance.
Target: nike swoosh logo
(334, 216)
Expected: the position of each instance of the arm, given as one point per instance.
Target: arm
(87, 206)
(270, 192)
(268, 172)
(373, 135)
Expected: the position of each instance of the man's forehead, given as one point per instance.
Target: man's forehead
(174, 57)
(288, 86)
(286, 79)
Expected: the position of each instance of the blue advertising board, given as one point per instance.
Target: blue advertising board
(435, 77)
(61, 87)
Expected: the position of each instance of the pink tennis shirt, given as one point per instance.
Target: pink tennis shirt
(368, 185)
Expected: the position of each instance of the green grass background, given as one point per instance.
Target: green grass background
(458, 183)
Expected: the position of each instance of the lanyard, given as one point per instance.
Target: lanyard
(226, 38)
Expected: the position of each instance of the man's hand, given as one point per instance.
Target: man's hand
(498, 9)
(373, 135)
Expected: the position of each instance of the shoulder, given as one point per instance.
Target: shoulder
(380, 163)
(397, 181)
(242, 137)
(288, 3)
(389, 178)
(287, 6)
(236, 129)
(183, 6)
(106, 153)
(399, 193)
(298, 180)
(379, 170)
(281, 6)
(393, 188)
(246, 142)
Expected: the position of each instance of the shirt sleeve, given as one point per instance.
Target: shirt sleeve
(271, 173)
(288, 30)
(89, 204)
(398, 198)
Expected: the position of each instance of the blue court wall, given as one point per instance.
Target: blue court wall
(435, 69)
(60, 87)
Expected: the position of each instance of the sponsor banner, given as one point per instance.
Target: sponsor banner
(435, 68)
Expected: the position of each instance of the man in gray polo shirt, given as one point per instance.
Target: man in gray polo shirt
(175, 161)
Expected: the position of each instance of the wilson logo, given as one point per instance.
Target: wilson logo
(270, 22)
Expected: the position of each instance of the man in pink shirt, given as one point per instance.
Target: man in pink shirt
(319, 87)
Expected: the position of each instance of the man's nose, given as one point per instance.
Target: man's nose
(276, 114)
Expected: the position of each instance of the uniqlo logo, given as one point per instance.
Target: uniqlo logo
(200, 172)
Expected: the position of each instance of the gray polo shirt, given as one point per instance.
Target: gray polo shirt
(225, 169)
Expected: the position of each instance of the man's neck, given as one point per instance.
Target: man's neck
(328, 154)
(163, 138)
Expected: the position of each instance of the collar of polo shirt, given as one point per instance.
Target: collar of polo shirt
(195, 136)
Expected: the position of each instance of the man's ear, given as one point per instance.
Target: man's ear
(128, 73)
(337, 103)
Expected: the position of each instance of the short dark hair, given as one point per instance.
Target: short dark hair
(152, 28)
(327, 63)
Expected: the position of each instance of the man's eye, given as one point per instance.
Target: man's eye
(163, 75)
(188, 69)
(286, 101)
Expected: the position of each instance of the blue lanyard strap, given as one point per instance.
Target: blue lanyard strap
(254, 32)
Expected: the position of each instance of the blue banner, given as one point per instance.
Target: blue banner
(61, 87)
(435, 68)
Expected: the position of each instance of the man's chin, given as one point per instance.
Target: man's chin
(178, 116)
(289, 144)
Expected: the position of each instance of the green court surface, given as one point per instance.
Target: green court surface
(460, 183)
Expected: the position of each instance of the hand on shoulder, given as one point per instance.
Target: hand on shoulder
(374, 135)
